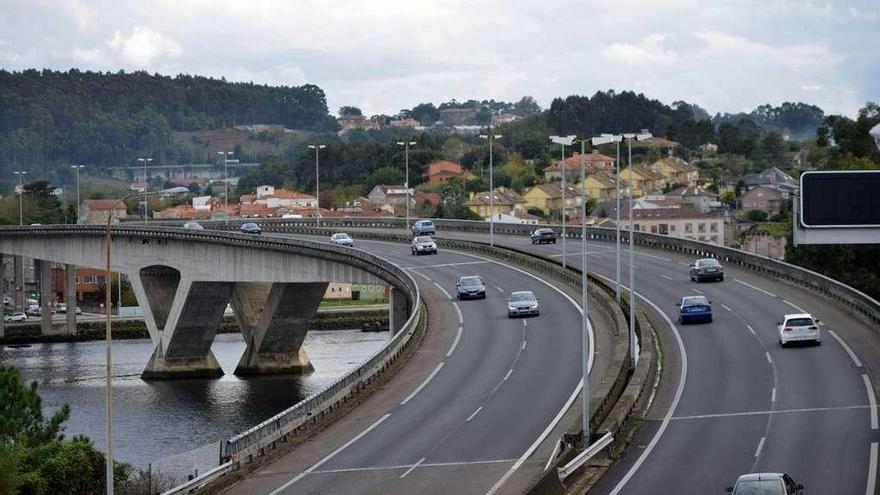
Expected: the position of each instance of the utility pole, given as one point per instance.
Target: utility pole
(563, 141)
(491, 137)
(20, 173)
(406, 146)
(317, 148)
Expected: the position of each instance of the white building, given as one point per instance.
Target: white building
(280, 198)
(684, 223)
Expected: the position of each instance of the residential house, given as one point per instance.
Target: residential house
(698, 197)
(709, 148)
(412, 123)
(657, 142)
(675, 172)
(683, 223)
(601, 186)
(96, 211)
(391, 195)
(504, 118)
(761, 197)
(765, 239)
(770, 176)
(353, 122)
(90, 284)
(459, 116)
(642, 180)
(279, 198)
(502, 199)
(440, 172)
(517, 216)
(593, 162)
(549, 198)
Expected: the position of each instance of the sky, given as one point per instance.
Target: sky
(383, 56)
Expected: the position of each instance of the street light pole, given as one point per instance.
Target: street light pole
(617, 220)
(225, 184)
(146, 183)
(585, 338)
(564, 141)
(20, 173)
(77, 168)
(491, 137)
(317, 147)
(406, 146)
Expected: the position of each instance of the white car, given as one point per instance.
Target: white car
(799, 327)
(522, 303)
(17, 316)
(342, 239)
(423, 244)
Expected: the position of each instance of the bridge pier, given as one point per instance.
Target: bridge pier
(274, 319)
(70, 297)
(44, 280)
(18, 277)
(398, 309)
(2, 296)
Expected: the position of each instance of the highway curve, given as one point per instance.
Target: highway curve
(468, 419)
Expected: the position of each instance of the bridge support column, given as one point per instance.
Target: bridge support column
(184, 347)
(2, 296)
(398, 308)
(70, 297)
(274, 319)
(18, 276)
(43, 270)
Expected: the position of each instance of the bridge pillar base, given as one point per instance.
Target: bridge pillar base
(163, 368)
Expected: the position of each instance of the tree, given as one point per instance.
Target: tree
(425, 113)
(526, 107)
(757, 215)
(21, 412)
(347, 111)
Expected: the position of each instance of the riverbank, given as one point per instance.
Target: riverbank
(364, 320)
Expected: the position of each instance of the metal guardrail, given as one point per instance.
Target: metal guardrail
(588, 453)
(201, 480)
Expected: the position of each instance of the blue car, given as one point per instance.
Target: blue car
(694, 308)
(251, 228)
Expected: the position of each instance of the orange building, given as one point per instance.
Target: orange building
(440, 172)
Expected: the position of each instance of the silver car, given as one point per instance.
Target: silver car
(423, 244)
(342, 239)
(765, 484)
(522, 303)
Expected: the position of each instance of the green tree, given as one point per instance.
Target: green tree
(757, 215)
(347, 111)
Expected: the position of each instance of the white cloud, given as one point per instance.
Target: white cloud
(649, 50)
(864, 15)
(143, 45)
(812, 87)
(88, 56)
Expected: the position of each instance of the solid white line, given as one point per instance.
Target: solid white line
(751, 330)
(416, 267)
(773, 411)
(795, 306)
(420, 387)
(760, 446)
(872, 400)
(449, 296)
(508, 374)
(330, 456)
(683, 263)
(667, 277)
(589, 253)
(773, 395)
(769, 359)
(454, 342)
(524, 344)
(474, 414)
(406, 466)
(847, 348)
(754, 287)
(413, 467)
(872, 470)
(525, 323)
(421, 275)
(499, 289)
(698, 291)
(458, 310)
(672, 407)
(653, 256)
(553, 454)
(726, 307)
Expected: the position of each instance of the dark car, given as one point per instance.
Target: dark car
(541, 236)
(193, 226)
(706, 269)
(251, 228)
(694, 308)
(471, 287)
(765, 484)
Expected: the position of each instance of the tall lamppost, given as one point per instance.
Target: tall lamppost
(406, 145)
(77, 168)
(317, 148)
(225, 154)
(146, 183)
(20, 173)
(491, 137)
(563, 141)
(605, 139)
(633, 346)
(585, 337)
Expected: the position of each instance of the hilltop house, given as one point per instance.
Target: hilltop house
(642, 179)
(504, 201)
(440, 172)
(675, 172)
(594, 161)
(549, 198)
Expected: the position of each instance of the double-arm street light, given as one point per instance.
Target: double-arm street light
(406, 145)
(491, 137)
(317, 148)
(605, 139)
(77, 168)
(20, 174)
(145, 161)
(585, 334)
(225, 155)
(563, 141)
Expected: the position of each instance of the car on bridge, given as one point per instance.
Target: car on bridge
(542, 236)
(765, 484)
(424, 227)
(798, 327)
(193, 226)
(34, 311)
(706, 269)
(251, 228)
(471, 287)
(694, 308)
(17, 316)
(423, 244)
(61, 308)
(522, 303)
(342, 239)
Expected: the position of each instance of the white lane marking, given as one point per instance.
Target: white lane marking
(683, 263)
(525, 323)
(698, 291)
(760, 446)
(847, 348)
(406, 466)
(448, 295)
(330, 456)
(751, 330)
(672, 407)
(795, 306)
(474, 414)
(654, 256)
(769, 411)
(508, 374)
(420, 387)
(416, 267)
(773, 395)
(872, 470)
(726, 307)
(420, 274)
(769, 359)
(454, 342)
(458, 310)
(524, 344)
(667, 277)
(754, 287)
(553, 454)
(499, 289)
(589, 253)
(872, 400)
(412, 467)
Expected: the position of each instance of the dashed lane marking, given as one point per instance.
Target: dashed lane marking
(754, 287)
(760, 446)
(847, 348)
(454, 342)
(768, 411)
(726, 307)
(424, 383)
(413, 467)
(474, 414)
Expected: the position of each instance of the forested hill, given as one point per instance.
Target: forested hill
(48, 117)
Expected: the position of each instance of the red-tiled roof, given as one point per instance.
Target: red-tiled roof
(592, 160)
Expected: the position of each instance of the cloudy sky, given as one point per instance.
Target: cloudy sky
(382, 55)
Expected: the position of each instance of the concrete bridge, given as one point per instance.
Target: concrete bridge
(183, 281)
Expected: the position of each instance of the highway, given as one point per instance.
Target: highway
(746, 403)
(481, 390)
